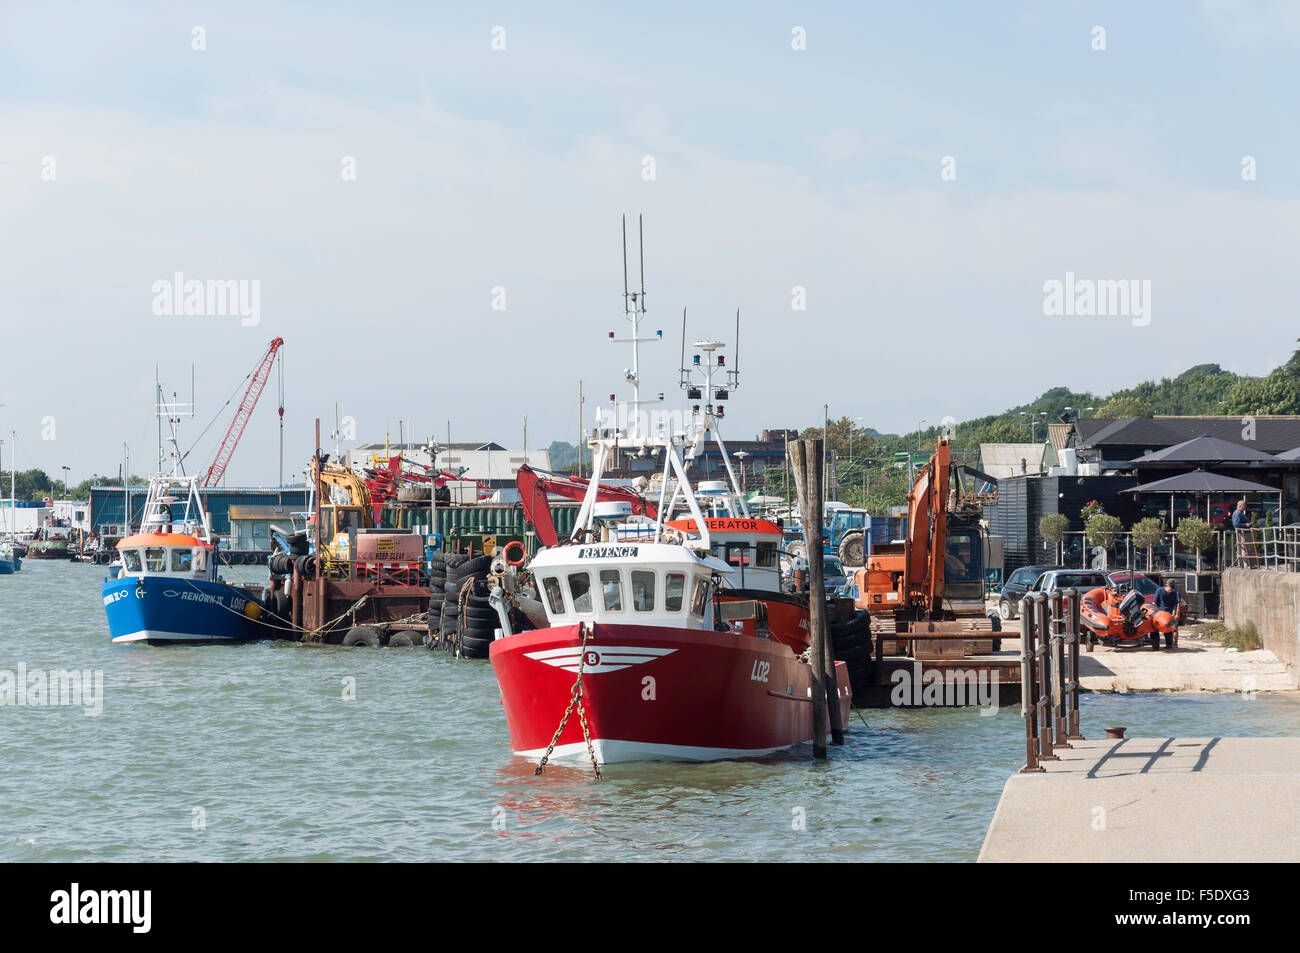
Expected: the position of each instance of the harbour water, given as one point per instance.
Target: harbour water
(256, 752)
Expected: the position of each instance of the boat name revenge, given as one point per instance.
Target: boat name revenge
(606, 552)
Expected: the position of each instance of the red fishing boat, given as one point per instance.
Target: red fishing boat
(643, 624)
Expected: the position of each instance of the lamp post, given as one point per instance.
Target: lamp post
(1033, 423)
(911, 457)
(740, 456)
(65, 480)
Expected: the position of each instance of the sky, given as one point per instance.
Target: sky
(432, 220)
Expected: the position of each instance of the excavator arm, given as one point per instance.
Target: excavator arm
(534, 487)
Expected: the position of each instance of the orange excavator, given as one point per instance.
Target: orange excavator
(935, 575)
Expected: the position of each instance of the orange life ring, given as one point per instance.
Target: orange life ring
(523, 553)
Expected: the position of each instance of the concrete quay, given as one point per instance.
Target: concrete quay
(1154, 800)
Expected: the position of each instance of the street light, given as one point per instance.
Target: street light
(65, 480)
(740, 455)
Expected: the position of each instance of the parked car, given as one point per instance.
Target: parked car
(1080, 579)
(1017, 584)
(1148, 587)
(833, 575)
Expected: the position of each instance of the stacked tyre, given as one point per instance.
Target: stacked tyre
(437, 588)
(851, 643)
(447, 625)
(472, 617)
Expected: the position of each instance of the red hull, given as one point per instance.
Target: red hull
(657, 693)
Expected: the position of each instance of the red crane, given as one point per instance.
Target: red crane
(237, 425)
(533, 490)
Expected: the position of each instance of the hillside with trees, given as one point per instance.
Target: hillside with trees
(1204, 389)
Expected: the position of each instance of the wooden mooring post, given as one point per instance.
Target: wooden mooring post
(806, 463)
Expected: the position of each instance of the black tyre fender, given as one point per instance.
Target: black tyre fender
(405, 639)
(363, 635)
(858, 653)
(474, 647)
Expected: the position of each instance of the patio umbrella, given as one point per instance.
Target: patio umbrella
(1290, 454)
(1203, 481)
(1205, 449)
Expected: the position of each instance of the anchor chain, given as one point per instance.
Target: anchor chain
(575, 699)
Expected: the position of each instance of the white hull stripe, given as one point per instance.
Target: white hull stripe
(155, 635)
(611, 751)
(600, 658)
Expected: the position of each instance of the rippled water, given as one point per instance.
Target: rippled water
(418, 767)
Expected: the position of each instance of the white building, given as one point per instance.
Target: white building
(1004, 460)
(488, 463)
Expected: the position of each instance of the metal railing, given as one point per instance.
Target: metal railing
(1077, 553)
(1263, 547)
(1049, 674)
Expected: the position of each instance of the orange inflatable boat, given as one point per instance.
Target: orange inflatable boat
(1124, 617)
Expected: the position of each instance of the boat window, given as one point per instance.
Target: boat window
(155, 559)
(580, 590)
(700, 598)
(611, 585)
(131, 560)
(766, 557)
(554, 596)
(738, 554)
(674, 591)
(643, 590)
(182, 559)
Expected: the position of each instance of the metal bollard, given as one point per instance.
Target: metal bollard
(1028, 711)
(1075, 627)
(1043, 658)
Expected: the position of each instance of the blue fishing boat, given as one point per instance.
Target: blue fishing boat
(168, 590)
(11, 551)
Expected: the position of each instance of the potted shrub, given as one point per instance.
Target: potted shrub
(1102, 530)
(1053, 527)
(1196, 535)
(1147, 534)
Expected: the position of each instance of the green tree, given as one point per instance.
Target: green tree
(1147, 534)
(1279, 393)
(1053, 527)
(1196, 535)
(1118, 408)
(1102, 530)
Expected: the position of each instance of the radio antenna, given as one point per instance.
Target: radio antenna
(626, 309)
(734, 373)
(684, 373)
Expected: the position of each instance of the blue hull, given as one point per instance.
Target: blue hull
(159, 610)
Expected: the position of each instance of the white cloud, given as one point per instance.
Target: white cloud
(922, 301)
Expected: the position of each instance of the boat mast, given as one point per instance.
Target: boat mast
(711, 364)
(634, 310)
